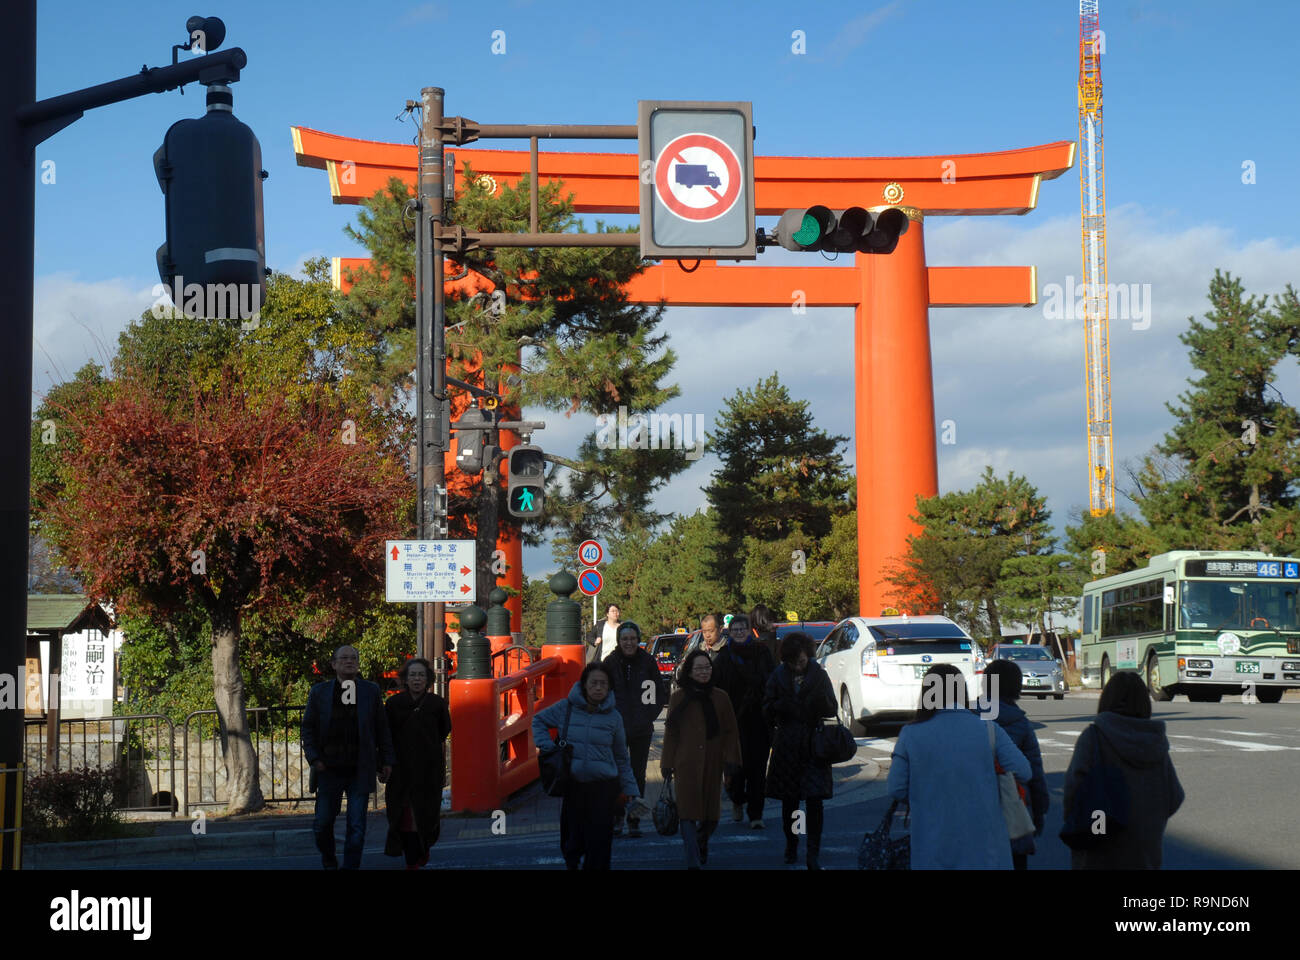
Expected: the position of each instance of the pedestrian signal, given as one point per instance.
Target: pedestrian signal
(526, 481)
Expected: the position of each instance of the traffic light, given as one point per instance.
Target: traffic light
(474, 449)
(842, 231)
(526, 481)
(210, 171)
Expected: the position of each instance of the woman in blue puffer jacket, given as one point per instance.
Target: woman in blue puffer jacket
(602, 780)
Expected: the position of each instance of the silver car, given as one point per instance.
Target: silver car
(1041, 674)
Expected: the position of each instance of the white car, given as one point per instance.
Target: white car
(876, 664)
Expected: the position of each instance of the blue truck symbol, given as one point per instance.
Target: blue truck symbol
(696, 175)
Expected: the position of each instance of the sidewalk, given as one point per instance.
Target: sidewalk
(271, 834)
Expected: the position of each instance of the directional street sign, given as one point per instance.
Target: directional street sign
(590, 581)
(429, 571)
(590, 552)
(697, 179)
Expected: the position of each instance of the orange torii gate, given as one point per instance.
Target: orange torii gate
(894, 401)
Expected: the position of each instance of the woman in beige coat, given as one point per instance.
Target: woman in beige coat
(701, 744)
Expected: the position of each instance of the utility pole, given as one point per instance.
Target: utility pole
(24, 123)
(430, 374)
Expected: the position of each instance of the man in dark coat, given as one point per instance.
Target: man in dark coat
(741, 671)
(420, 724)
(798, 696)
(346, 740)
(640, 694)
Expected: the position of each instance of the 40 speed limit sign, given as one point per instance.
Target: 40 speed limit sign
(590, 553)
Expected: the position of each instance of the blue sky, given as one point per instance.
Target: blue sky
(1192, 90)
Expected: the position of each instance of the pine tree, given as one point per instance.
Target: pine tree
(778, 471)
(957, 561)
(1231, 459)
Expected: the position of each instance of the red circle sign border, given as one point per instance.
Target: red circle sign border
(733, 177)
(600, 552)
(600, 581)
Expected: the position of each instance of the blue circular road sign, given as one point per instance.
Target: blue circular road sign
(590, 582)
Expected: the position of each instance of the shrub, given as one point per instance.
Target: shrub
(70, 805)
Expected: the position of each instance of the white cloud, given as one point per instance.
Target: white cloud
(76, 321)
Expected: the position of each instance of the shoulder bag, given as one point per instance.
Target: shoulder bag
(665, 815)
(554, 765)
(1014, 812)
(1102, 790)
(879, 852)
(832, 743)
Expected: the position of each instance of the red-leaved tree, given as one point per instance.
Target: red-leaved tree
(237, 503)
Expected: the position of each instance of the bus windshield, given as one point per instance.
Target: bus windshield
(1239, 605)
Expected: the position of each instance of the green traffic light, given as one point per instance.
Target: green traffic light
(525, 499)
(809, 231)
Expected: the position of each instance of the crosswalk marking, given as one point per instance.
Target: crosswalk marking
(1249, 746)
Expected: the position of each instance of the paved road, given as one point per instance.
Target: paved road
(1239, 764)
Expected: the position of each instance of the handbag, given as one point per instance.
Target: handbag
(665, 813)
(1019, 822)
(554, 766)
(833, 743)
(1101, 789)
(879, 852)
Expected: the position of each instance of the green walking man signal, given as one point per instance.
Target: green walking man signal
(526, 481)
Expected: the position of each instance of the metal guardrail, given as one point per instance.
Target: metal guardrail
(142, 760)
(281, 724)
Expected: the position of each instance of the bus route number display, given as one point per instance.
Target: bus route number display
(1280, 569)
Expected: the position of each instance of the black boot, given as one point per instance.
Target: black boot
(791, 849)
(814, 853)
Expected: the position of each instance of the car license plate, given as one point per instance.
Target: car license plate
(920, 669)
(1248, 666)
(1032, 682)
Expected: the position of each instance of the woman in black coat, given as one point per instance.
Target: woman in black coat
(420, 726)
(798, 696)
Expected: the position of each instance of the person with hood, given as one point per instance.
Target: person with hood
(1125, 736)
(741, 670)
(701, 744)
(601, 772)
(1003, 684)
(420, 725)
(639, 696)
(943, 768)
(798, 695)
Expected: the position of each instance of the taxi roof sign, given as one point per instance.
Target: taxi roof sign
(697, 179)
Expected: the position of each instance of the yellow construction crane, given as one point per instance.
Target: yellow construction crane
(1096, 319)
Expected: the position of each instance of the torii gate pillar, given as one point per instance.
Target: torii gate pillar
(896, 458)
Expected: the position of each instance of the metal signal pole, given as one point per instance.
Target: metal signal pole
(431, 371)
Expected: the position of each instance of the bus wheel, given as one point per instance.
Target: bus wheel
(1269, 694)
(1105, 672)
(1158, 693)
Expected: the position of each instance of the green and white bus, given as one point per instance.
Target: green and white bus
(1198, 622)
